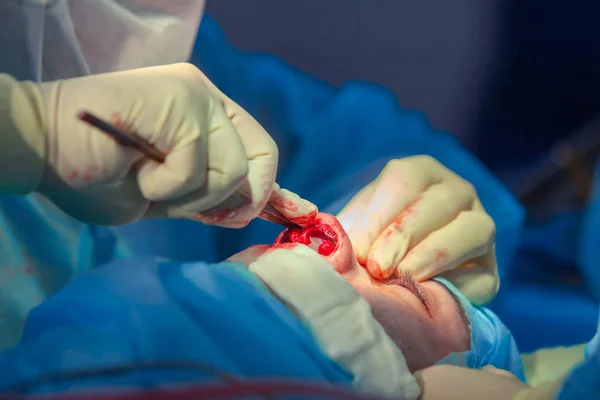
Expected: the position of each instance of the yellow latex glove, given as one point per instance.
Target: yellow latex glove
(448, 382)
(220, 166)
(420, 217)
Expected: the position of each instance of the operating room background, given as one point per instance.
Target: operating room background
(491, 72)
(508, 78)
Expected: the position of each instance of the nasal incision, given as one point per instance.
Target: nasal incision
(319, 237)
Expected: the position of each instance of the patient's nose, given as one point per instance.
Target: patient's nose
(326, 236)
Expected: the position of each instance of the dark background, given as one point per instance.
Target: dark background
(490, 71)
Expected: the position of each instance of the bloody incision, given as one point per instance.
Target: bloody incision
(321, 234)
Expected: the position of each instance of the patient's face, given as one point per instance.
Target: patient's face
(423, 319)
(425, 335)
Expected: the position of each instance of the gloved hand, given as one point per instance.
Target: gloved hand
(220, 166)
(449, 382)
(420, 217)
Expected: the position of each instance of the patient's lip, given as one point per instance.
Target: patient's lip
(335, 244)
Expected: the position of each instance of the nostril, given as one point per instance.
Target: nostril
(325, 235)
(319, 237)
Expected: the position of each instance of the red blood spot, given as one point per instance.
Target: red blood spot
(398, 222)
(28, 270)
(218, 217)
(440, 255)
(375, 270)
(267, 181)
(307, 234)
(74, 174)
(123, 125)
(305, 219)
(90, 173)
(238, 224)
(281, 202)
(361, 260)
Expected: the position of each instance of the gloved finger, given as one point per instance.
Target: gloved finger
(470, 235)
(224, 214)
(262, 155)
(477, 278)
(399, 185)
(174, 178)
(355, 207)
(292, 206)
(247, 201)
(219, 150)
(438, 206)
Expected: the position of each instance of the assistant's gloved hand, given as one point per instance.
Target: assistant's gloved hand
(220, 166)
(420, 217)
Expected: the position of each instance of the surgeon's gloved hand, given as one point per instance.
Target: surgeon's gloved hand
(220, 166)
(420, 217)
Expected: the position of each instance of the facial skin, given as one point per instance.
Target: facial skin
(423, 319)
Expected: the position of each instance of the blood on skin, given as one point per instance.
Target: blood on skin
(398, 222)
(304, 220)
(441, 255)
(281, 202)
(90, 173)
(221, 218)
(74, 174)
(218, 217)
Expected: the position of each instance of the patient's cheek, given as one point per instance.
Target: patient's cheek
(325, 235)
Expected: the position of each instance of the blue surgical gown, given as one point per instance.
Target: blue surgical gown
(332, 142)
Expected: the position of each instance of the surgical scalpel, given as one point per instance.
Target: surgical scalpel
(131, 139)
